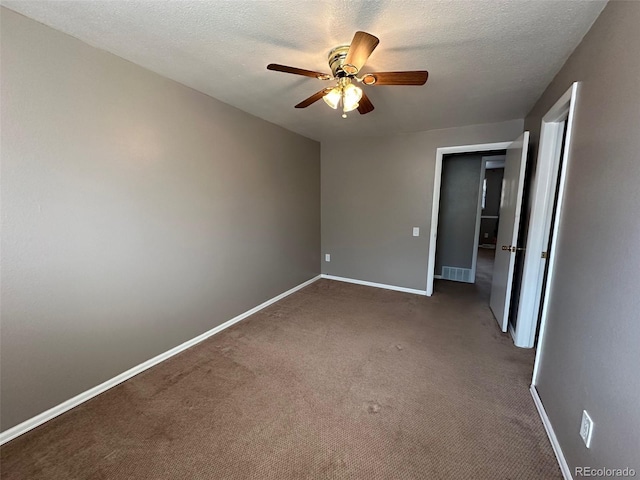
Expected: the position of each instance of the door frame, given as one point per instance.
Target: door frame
(435, 206)
(550, 173)
(476, 243)
(476, 231)
(485, 161)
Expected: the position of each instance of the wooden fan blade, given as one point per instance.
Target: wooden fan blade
(365, 105)
(298, 71)
(418, 77)
(313, 98)
(362, 46)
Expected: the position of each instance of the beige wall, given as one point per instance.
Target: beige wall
(374, 190)
(591, 351)
(137, 214)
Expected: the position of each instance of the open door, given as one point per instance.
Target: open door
(510, 209)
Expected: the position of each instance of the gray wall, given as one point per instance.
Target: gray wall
(458, 211)
(137, 214)
(375, 189)
(590, 353)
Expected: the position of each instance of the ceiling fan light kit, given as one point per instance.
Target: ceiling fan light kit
(346, 93)
(345, 62)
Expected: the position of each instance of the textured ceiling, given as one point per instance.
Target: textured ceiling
(488, 60)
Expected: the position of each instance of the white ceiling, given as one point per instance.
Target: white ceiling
(488, 60)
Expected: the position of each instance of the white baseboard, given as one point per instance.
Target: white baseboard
(564, 466)
(372, 284)
(38, 420)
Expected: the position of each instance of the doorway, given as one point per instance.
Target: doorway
(489, 221)
(470, 194)
(546, 207)
(490, 203)
(510, 212)
(486, 149)
(525, 304)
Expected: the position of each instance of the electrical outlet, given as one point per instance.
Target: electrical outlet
(416, 231)
(486, 235)
(327, 257)
(586, 428)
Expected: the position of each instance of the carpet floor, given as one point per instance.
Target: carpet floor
(336, 381)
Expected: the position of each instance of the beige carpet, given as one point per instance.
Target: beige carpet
(337, 381)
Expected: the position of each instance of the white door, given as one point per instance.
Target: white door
(510, 207)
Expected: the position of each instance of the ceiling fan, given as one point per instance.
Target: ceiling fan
(345, 62)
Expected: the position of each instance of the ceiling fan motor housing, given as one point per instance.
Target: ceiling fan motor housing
(337, 57)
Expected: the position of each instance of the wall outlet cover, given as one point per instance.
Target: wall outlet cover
(327, 257)
(416, 231)
(586, 428)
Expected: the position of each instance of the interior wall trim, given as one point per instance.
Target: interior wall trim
(435, 204)
(53, 412)
(376, 285)
(564, 466)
